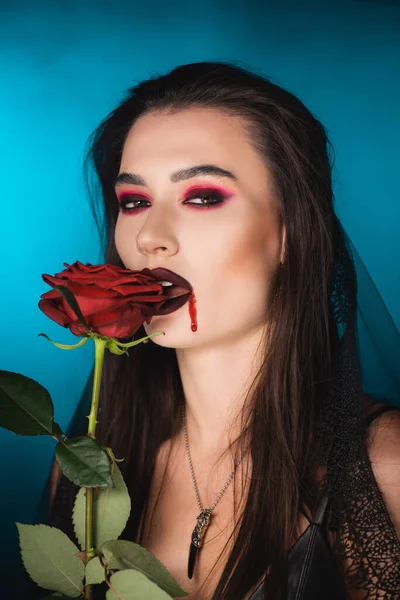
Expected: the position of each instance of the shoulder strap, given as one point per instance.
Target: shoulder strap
(380, 411)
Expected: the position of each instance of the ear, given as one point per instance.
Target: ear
(283, 243)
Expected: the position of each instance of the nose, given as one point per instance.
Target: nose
(157, 235)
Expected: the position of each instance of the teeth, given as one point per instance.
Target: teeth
(165, 283)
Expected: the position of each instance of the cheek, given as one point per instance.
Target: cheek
(253, 255)
(123, 237)
(247, 268)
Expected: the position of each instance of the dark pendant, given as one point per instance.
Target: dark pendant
(203, 521)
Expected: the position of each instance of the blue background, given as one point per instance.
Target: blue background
(64, 66)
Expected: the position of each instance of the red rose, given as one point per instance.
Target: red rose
(114, 301)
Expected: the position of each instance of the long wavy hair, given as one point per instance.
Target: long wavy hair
(142, 393)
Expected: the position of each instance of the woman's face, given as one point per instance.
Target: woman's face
(228, 252)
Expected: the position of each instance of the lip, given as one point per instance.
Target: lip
(163, 274)
(173, 304)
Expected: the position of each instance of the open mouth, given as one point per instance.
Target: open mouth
(177, 289)
(174, 303)
(166, 275)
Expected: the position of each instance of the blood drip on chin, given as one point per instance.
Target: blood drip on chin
(192, 312)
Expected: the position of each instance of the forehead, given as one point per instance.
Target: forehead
(191, 136)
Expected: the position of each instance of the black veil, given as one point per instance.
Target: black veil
(379, 338)
(366, 363)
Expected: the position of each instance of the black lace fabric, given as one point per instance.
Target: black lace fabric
(366, 546)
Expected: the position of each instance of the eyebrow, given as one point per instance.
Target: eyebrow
(180, 175)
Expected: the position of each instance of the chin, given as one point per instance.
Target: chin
(176, 335)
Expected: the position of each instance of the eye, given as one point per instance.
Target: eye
(130, 199)
(211, 199)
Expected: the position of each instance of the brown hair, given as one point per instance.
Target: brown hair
(142, 394)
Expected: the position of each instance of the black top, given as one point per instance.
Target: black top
(312, 573)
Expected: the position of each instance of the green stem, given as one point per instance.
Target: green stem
(100, 346)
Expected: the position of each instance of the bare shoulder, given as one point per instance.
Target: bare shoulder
(383, 446)
(383, 434)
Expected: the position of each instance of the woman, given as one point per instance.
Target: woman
(224, 178)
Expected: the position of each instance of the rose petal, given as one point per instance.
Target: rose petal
(125, 325)
(113, 300)
(56, 313)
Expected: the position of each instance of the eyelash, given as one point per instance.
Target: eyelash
(216, 196)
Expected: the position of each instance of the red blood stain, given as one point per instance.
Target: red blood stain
(193, 312)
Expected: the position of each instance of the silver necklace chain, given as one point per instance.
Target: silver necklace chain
(213, 505)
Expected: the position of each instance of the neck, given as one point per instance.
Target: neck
(215, 383)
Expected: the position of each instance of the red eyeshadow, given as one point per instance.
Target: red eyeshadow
(199, 188)
(202, 187)
(130, 193)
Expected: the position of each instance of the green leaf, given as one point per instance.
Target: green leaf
(111, 509)
(115, 349)
(73, 302)
(83, 461)
(48, 556)
(111, 454)
(65, 346)
(132, 585)
(25, 405)
(59, 596)
(57, 431)
(122, 554)
(94, 572)
(136, 342)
